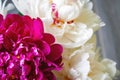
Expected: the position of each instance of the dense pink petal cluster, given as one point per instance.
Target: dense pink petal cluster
(26, 51)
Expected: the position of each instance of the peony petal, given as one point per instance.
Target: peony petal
(28, 24)
(10, 18)
(12, 35)
(40, 76)
(69, 12)
(26, 69)
(44, 47)
(6, 57)
(58, 61)
(49, 38)
(56, 51)
(1, 26)
(16, 24)
(1, 19)
(8, 45)
(1, 62)
(49, 75)
(110, 66)
(14, 68)
(89, 18)
(37, 32)
(4, 77)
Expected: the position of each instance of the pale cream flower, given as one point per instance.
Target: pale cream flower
(79, 66)
(4, 9)
(76, 66)
(96, 68)
(100, 68)
(104, 69)
(77, 62)
(72, 22)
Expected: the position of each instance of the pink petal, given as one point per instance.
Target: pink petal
(56, 52)
(49, 75)
(26, 69)
(28, 25)
(12, 35)
(44, 47)
(8, 45)
(48, 38)
(40, 76)
(37, 32)
(1, 19)
(12, 18)
(1, 62)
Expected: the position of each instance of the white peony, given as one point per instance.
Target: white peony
(79, 66)
(76, 66)
(85, 64)
(100, 68)
(103, 70)
(65, 19)
(73, 23)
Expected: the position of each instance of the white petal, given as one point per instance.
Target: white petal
(75, 35)
(80, 66)
(10, 6)
(69, 12)
(102, 76)
(110, 66)
(89, 18)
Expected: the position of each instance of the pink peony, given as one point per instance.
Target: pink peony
(26, 52)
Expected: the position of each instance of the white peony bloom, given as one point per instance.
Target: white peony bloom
(60, 18)
(79, 66)
(76, 62)
(76, 66)
(4, 9)
(102, 70)
(85, 64)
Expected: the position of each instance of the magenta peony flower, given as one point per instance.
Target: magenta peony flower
(26, 52)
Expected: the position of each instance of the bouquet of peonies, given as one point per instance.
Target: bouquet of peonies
(52, 39)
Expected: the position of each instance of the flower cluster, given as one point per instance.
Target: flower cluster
(73, 24)
(26, 51)
(62, 19)
(86, 64)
